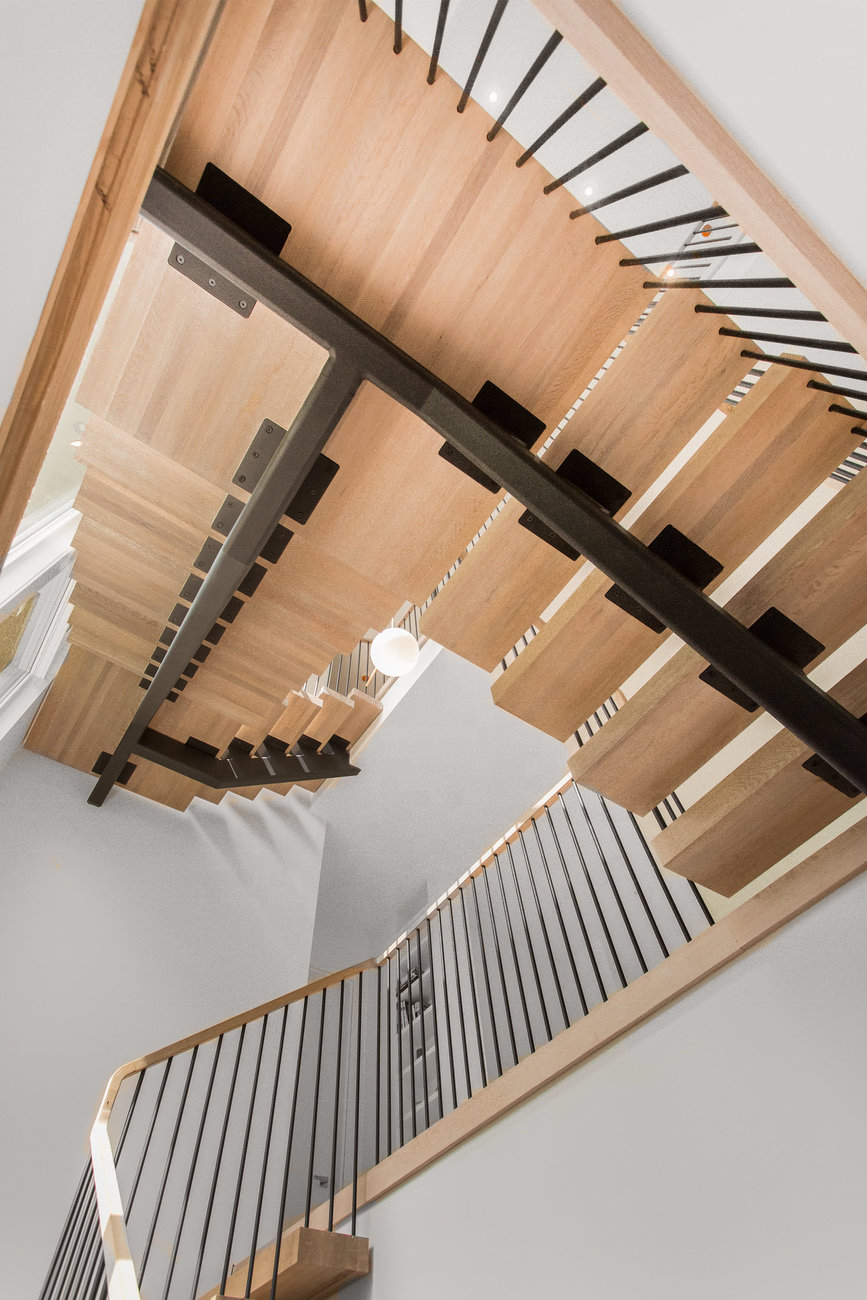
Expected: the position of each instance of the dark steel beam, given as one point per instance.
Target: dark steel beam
(272, 767)
(783, 690)
(325, 405)
(359, 352)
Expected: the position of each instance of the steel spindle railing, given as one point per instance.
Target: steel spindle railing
(309, 1097)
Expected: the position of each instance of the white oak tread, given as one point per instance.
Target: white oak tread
(762, 461)
(675, 723)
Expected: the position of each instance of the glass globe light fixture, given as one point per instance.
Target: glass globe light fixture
(394, 651)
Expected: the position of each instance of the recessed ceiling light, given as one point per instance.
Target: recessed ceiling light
(493, 96)
(77, 443)
(670, 273)
(588, 190)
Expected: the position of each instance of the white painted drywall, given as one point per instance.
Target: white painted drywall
(785, 77)
(122, 929)
(718, 1151)
(444, 778)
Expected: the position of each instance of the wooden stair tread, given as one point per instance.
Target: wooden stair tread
(764, 809)
(313, 1264)
(675, 723)
(724, 502)
(669, 379)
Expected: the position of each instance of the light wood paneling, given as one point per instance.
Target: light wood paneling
(676, 723)
(183, 374)
(762, 461)
(766, 808)
(667, 382)
(87, 710)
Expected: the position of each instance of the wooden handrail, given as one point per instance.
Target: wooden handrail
(119, 1265)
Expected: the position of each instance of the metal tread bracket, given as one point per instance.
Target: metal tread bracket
(359, 353)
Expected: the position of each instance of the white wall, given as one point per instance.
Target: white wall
(718, 1151)
(784, 77)
(60, 63)
(444, 777)
(122, 929)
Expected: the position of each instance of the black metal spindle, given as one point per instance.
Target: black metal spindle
(398, 1017)
(530, 949)
(194, 1290)
(667, 223)
(777, 313)
(63, 1239)
(473, 995)
(362, 10)
(663, 883)
(357, 1104)
(315, 1111)
(624, 916)
(185, 1201)
(487, 979)
(76, 1222)
(859, 396)
(531, 1045)
(634, 133)
(826, 345)
(147, 1141)
(627, 862)
(566, 116)
(836, 409)
(266, 1154)
(447, 1000)
(242, 1163)
(421, 1006)
(388, 1036)
(693, 255)
(377, 1086)
(284, 1186)
(435, 1019)
(640, 187)
(500, 968)
(79, 1257)
(843, 371)
(460, 1000)
(567, 944)
(412, 1092)
(490, 31)
(168, 1164)
(526, 81)
(333, 1172)
(544, 927)
(578, 913)
(398, 26)
(438, 41)
(761, 282)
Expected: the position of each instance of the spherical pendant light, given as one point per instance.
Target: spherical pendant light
(394, 651)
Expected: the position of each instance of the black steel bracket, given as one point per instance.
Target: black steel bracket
(358, 353)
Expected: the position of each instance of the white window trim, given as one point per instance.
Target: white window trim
(40, 564)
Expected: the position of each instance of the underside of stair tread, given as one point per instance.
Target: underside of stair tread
(178, 385)
(754, 469)
(675, 723)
